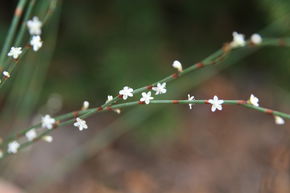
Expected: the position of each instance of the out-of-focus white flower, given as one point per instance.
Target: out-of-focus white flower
(1, 154)
(118, 111)
(160, 88)
(81, 124)
(47, 138)
(34, 26)
(177, 65)
(36, 43)
(238, 40)
(126, 92)
(15, 52)
(256, 38)
(47, 122)
(216, 104)
(146, 97)
(279, 120)
(109, 98)
(86, 105)
(31, 134)
(13, 147)
(190, 98)
(253, 100)
(6, 74)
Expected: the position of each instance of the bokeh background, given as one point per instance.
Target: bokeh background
(94, 48)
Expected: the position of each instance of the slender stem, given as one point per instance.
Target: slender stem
(86, 113)
(51, 8)
(23, 25)
(214, 58)
(12, 30)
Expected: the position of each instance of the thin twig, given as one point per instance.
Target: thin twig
(12, 30)
(86, 113)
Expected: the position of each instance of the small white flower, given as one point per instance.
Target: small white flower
(47, 138)
(160, 88)
(31, 134)
(118, 111)
(146, 97)
(36, 43)
(47, 122)
(15, 52)
(81, 124)
(126, 92)
(109, 98)
(216, 104)
(238, 40)
(190, 98)
(253, 100)
(256, 38)
(86, 105)
(177, 65)
(13, 147)
(279, 120)
(34, 26)
(6, 74)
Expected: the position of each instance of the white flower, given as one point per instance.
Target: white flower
(109, 98)
(31, 134)
(81, 124)
(190, 98)
(256, 38)
(15, 52)
(177, 65)
(253, 100)
(146, 97)
(118, 111)
(279, 120)
(160, 88)
(126, 92)
(238, 40)
(34, 26)
(36, 43)
(47, 138)
(1, 153)
(216, 104)
(13, 147)
(86, 105)
(6, 74)
(47, 122)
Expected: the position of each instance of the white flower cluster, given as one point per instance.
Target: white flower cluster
(34, 27)
(239, 40)
(126, 92)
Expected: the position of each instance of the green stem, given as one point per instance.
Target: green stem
(51, 8)
(214, 58)
(12, 30)
(86, 113)
(23, 25)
